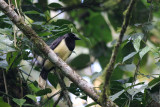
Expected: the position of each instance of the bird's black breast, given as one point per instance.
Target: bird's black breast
(70, 42)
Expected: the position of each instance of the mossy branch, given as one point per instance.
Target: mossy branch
(110, 67)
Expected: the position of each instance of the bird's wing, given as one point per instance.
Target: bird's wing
(56, 42)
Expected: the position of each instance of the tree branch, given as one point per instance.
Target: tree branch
(48, 53)
(109, 68)
(95, 6)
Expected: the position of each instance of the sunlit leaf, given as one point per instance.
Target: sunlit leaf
(115, 96)
(96, 75)
(134, 91)
(20, 102)
(91, 104)
(77, 91)
(3, 64)
(31, 12)
(33, 97)
(13, 59)
(129, 56)
(6, 31)
(136, 43)
(153, 82)
(148, 26)
(33, 86)
(158, 64)
(6, 44)
(144, 51)
(128, 67)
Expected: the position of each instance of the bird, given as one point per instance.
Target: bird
(63, 46)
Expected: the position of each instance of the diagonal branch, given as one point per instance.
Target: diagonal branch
(110, 66)
(93, 5)
(48, 53)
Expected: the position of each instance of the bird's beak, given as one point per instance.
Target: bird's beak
(76, 38)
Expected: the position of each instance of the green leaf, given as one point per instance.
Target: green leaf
(6, 44)
(77, 91)
(129, 56)
(61, 22)
(134, 91)
(1, 13)
(32, 97)
(128, 67)
(136, 42)
(3, 104)
(154, 82)
(137, 35)
(115, 96)
(33, 86)
(31, 12)
(148, 26)
(55, 5)
(84, 59)
(44, 33)
(91, 104)
(3, 56)
(144, 51)
(20, 102)
(96, 75)
(13, 59)
(158, 64)
(6, 31)
(53, 79)
(93, 28)
(3, 64)
(43, 92)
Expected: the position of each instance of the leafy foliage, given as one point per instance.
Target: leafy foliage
(135, 80)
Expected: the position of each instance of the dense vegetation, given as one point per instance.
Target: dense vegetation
(135, 77)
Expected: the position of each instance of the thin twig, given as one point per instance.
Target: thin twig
(150, 11)
(95, 6)
(110, 67)
(14, 33)
(146, 33)
(31, 70)
(1, 92)
(17, 9)
(21, 74)
(5, 85)
(63, 86)
(21, 87)
(51, 97)
(54, 17)
(136, 72)
(9, 3)
(59, 98)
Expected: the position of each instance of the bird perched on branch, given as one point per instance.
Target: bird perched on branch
(63, 46)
